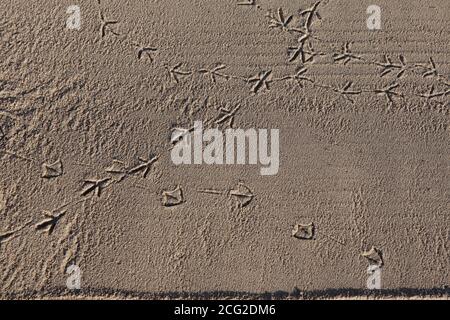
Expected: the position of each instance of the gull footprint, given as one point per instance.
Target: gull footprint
(345, 91)
(304, 231)
(214, 72)
(345, 55)
(241, 194)
(310, 14)
(227, 115)
(49, 223)
(260, 80)
(432, 94)
(105, 26)
(147, 51)
(374, 256)
(388, 66)
(52, 170)
(144, 166)
(95, 186)
(298, 78)
(305, 55)
(173, 198)
(388, 92)
(175, 73)
(118, 170)
(248, 3)
(280, 21)
(430, 68)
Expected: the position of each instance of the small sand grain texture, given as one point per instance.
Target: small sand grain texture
(92, 204)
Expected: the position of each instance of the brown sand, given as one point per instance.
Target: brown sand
(365, 171)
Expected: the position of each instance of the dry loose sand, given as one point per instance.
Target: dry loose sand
(89, 193)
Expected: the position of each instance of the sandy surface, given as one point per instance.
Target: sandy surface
(367, 172)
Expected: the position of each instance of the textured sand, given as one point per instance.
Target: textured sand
(367, 172)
